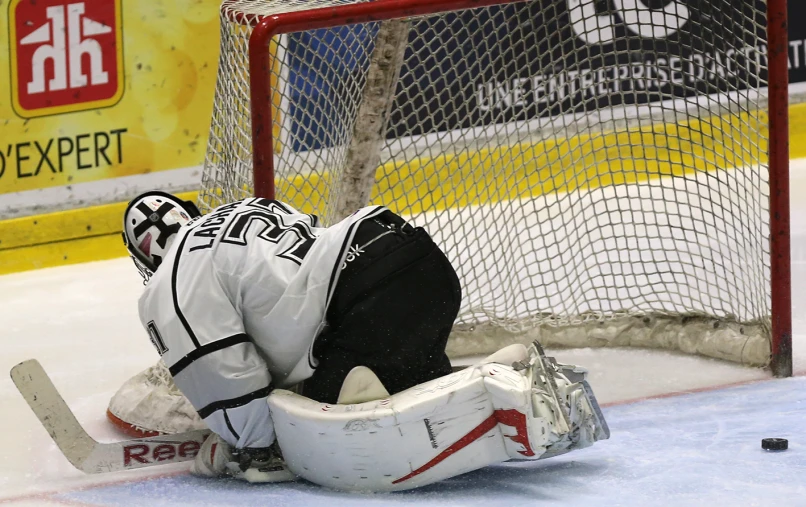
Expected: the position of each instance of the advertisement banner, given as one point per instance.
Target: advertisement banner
(550, 57)
(797, 41)
(99, 89)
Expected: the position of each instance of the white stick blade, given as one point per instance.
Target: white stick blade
(51, 410)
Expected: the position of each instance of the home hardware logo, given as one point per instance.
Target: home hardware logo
(66, 56)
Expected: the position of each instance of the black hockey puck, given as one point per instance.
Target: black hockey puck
(774, 444)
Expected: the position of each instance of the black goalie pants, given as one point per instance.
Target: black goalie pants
(392, 311)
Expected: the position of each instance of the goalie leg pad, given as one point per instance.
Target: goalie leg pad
(486, 414)
(432, 431)
(510, 354)
(525, 432)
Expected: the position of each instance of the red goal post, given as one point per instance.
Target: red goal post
(262, 104)
(781, 269)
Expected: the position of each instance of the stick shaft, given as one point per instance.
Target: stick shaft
(81, 450)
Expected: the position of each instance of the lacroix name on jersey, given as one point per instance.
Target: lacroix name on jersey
(66, 55)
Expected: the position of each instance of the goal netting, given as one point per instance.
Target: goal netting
(597, 172)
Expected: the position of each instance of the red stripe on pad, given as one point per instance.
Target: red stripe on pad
(517, 420)
(460, 444)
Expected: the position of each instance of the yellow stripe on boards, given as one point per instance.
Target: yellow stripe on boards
(582, 162)
(485, 176)
(579, 163)
(73, 251)
(797, 131)
(65, 237)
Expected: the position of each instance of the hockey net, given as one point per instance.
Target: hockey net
(599, 173)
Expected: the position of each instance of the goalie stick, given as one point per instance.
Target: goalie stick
(81, 450)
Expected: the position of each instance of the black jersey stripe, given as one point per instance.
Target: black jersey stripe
(344, 246)
(281, 205)
(332, 283)
(208, 348)
(337, 267)
(178, 311)
(240, 401)
(229, 426)
(264, 202)
(331, 288)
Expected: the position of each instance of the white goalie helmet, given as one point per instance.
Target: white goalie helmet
(150, 224)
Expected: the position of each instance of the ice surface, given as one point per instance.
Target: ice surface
(689, 450)
(696, 449)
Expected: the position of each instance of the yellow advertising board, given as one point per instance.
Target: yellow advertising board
(98, 89)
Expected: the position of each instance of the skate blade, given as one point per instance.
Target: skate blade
(602, 429)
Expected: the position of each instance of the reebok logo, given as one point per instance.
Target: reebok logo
(152, 452)
(65, 55)
(600, 28)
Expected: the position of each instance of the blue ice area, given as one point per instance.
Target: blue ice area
(688, 450)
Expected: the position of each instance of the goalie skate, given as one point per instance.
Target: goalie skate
(563, 390)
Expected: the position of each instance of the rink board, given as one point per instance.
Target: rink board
(695, 449)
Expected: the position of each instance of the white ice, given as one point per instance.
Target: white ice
(701, 448)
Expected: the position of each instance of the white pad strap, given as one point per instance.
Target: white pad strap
(510, 354)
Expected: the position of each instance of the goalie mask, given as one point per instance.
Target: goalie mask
(150, 224)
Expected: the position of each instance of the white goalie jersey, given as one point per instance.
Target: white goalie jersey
(236, 305)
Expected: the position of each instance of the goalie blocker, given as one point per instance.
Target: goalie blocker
(486, 414)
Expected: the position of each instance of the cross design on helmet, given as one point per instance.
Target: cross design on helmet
(155, 219)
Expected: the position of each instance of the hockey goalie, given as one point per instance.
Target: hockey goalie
(256, 298)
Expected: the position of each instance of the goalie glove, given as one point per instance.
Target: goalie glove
(217, 458)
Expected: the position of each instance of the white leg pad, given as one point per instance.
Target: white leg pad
(525, 433)
(436, 430)
(508, 355)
